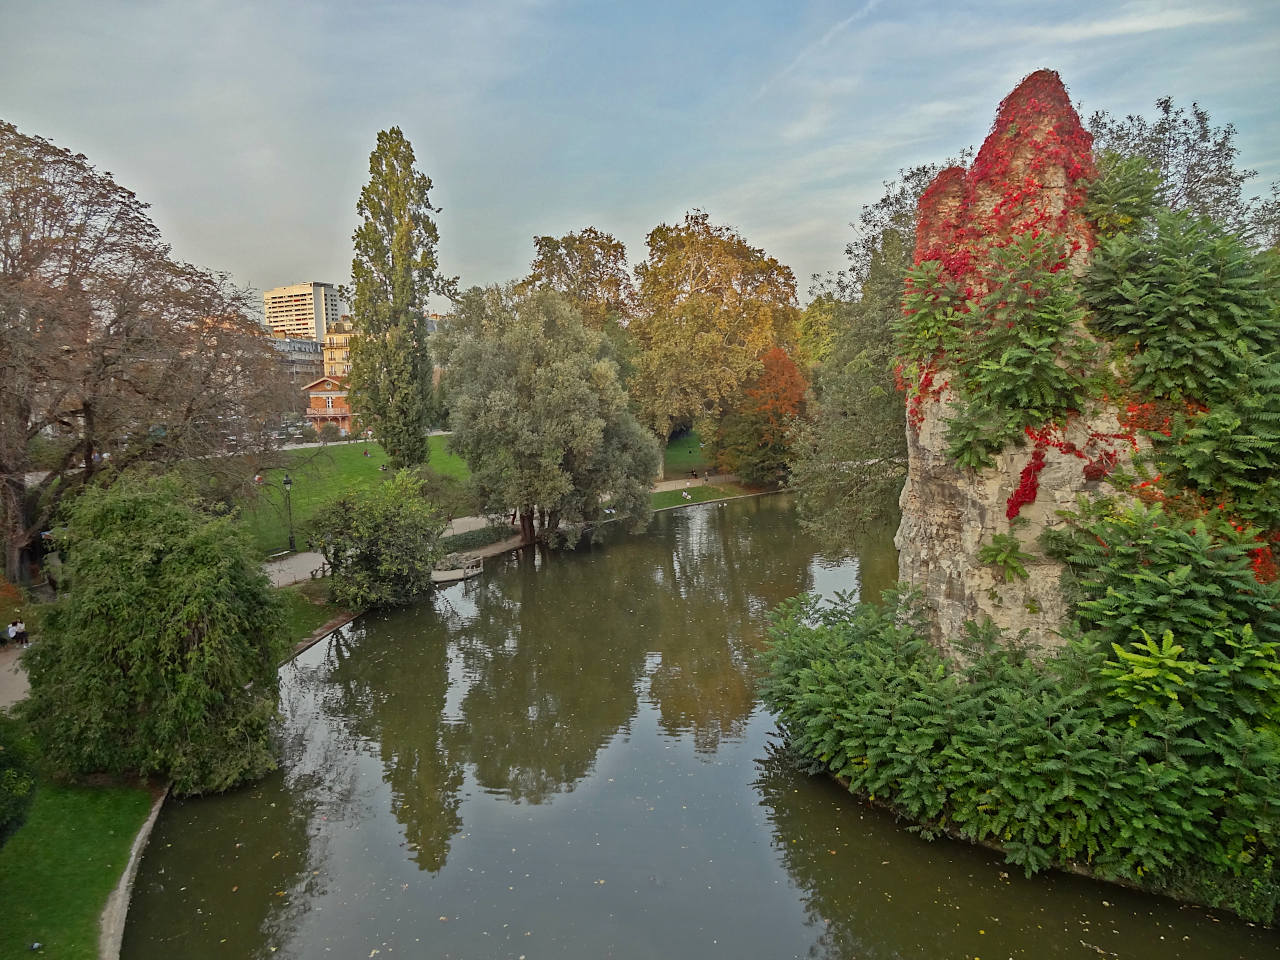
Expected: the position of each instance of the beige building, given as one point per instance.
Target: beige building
(302, 310)
(337, 348)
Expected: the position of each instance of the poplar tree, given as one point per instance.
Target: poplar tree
(393, 272)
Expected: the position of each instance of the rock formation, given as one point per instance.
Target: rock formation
(1030, 176)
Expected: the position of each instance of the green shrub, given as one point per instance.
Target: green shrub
(1139, 567)
(1080, 759)
(380, 543)
(1006, 555)
(1014, 354)
(1123, 195)
(159, 656)
(1230, 454)
(1186, 302)
(17, 773)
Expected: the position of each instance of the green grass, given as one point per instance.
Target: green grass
(698, 493)
(58, 868)
(684, 455)
(319, 475)
(307, 609)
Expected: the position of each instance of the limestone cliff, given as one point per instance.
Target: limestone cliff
(1028, 178)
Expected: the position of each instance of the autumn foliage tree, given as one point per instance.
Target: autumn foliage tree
(589, 269)
(710, 305)
(112, 353)
(755, 440)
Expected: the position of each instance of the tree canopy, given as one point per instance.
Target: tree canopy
(381, 543)
(111, 351)
(589, 268)
(755, 439)
(851, 456)
(1196, 162)
(539, 413)
(710, 305)
(159, 656)
(394, 271)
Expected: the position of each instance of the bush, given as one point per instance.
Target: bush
(1138, 762)
(159, 657)
(330, 433)
(381, 543)
(17, 773)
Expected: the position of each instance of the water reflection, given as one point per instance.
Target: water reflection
(392, 695)
(559, 760)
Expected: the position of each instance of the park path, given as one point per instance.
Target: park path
(13, 679)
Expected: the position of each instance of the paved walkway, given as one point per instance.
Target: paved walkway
(13, 679)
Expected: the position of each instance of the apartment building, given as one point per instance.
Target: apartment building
(337, 348)
(302, 310)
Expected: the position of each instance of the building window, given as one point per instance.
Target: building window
(328, 403)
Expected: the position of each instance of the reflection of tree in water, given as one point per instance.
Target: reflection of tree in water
(392, 692)
(721, 577)
(552, 657)
(822, 865)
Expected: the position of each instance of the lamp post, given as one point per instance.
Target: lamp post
(287, 484)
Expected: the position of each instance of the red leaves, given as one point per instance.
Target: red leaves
(1028, 483)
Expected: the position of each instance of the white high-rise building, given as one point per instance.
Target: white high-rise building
(302, 310)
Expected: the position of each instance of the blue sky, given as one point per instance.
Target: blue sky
(248, 125)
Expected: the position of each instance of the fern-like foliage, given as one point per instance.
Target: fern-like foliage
(1187, 301)
(1151, 761)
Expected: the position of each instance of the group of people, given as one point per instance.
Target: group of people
(17, 633)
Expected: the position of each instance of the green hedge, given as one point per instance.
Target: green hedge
(1137, 763)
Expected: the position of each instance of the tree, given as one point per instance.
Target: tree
(818, 328)
(159, 656)
(755, 440)
(393, 272)
(539, 414)
(589, 268)
(710, 305)
(111, 352)
(1196, 162)
(851, 458)
(382, 543)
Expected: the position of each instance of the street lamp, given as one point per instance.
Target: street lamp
(287, 484)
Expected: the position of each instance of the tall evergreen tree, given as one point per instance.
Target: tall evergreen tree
(393, 272)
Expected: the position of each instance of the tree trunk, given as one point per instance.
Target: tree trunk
(527, 532)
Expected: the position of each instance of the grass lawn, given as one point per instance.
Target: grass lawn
(319, 475)
(698, 493)
(307, 609)
(58, 868)
(684, 455)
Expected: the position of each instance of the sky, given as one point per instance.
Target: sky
(247, 124)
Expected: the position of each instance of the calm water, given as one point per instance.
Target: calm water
(564, 758)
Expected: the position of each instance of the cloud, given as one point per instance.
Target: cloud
(804, 55)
